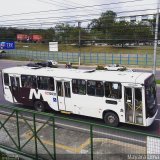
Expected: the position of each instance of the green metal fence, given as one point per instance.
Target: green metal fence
(87, 58)
(48, 136)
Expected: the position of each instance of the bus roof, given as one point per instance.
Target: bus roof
(99, 75)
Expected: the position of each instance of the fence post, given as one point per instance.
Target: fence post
(48, 55)
(54, 138)
(97, 58)
(112, 58)
(105, 59)
(91, 140)
(35, 136)
(57, 57)
(90, 58)
(18, 135)
(67, 56)
(146, 58)
(120, 58)
(62, 56)
(36, 55)
(44, 56)
(52, 55)
(128, 59)
(137, 60)
(84, 58)
(72, 57)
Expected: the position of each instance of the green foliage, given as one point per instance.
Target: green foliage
(75, 67)
(158, 81)
(104, 29)
(114, 32)
(99, 67)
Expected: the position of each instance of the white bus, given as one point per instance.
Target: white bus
(114, 96)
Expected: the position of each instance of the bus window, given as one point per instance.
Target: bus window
(6, 79)
(67, 89)
(79, 86)
(59, 88)
(138, 95)
(99, 89)
(91, 85)
(45, 83)
(113, 90)
(17, 81)
(95, 88)
(138, 100)
(28, 81)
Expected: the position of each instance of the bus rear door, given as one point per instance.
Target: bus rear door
(133, 105)
(63, 94)
(15, 87)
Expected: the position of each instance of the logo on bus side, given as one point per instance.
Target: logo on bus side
(37, 94)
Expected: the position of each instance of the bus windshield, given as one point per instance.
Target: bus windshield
(150, 93)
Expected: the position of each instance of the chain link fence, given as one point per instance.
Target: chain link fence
(86, 58)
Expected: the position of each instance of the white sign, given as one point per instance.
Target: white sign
(153, 146)
(53, 46)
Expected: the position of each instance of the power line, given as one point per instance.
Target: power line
(64, 4)
(73, 8)
(75, 16)
(72, 21)
(54, 3)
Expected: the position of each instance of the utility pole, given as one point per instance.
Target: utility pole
(156, 38)
(79, 39)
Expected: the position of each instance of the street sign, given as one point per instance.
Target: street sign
(7, 45)
(53, 46)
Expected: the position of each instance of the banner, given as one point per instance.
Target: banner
(7, 45)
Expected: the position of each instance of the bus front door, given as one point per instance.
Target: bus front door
(15, 85)
(63, 94)
(133, 105)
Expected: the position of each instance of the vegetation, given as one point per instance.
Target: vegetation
(88, 49)
(99, 67)
(104, 29)
(158, 81)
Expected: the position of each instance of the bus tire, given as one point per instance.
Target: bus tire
(39, 106)
(111, 119)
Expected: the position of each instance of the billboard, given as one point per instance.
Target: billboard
(7, 45)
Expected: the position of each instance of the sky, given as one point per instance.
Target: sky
(67, 11)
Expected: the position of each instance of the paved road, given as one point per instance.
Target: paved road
(155, 128)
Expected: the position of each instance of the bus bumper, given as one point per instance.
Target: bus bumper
(149, 121)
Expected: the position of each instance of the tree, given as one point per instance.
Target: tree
(48, 34)
(111, 31)
(103, 24)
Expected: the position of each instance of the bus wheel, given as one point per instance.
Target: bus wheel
(111, 119)
(39, 106)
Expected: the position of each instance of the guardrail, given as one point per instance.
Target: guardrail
(47, 136)
(87, 58)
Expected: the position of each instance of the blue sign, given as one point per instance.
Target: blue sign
(54, 100)
(7, 45)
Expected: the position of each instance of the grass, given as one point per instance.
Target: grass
(17, 58)
(88, 49)
(158, 81)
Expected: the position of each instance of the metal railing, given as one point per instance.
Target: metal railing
(87, 58)
(48, 136)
